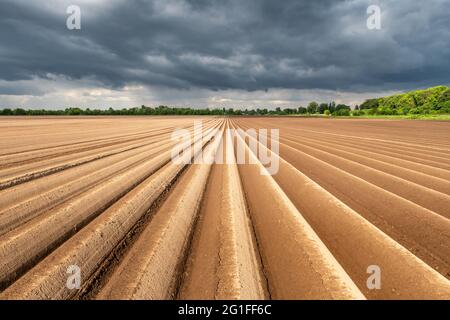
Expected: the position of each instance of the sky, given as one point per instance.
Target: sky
(218, 53)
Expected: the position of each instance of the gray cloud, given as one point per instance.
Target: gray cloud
(225, 45)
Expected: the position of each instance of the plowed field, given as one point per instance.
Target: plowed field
(103, 194)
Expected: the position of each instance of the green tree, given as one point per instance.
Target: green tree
(302, 110)
(342, 112)
(369, 104)
(332, 106)
(19, 112)
(322, 108)
(312, 107)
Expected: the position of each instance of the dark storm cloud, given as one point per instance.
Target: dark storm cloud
(217, 45)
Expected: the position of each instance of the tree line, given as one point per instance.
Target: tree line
(312, 108)
(434, 100)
